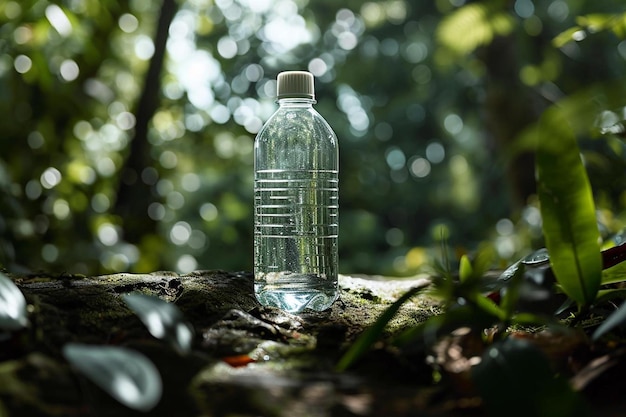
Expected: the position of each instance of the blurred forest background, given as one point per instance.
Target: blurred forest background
(127, 127)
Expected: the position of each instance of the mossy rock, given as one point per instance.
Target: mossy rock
(246, 359)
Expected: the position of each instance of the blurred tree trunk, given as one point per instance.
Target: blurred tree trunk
(134, 195)
(510, 108)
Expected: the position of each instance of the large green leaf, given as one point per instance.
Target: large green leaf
(567, 208)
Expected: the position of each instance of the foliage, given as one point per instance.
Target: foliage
(617, 318)
(13, 314)
(474, 25)
(514, 379)
(417, 116)
(371, 335)
(127, 375)
(568, 211)
(590, 24)
(509, 371)
(163, 320)
(428, 125)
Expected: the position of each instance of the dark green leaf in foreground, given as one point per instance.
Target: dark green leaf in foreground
(126, 375)
(163, 320)
(371, 335)
(567, 209)
(12, 305)
(514, 379)
(617, 318)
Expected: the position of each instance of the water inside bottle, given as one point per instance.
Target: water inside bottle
(295, 238)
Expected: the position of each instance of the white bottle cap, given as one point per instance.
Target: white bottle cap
(295, 84)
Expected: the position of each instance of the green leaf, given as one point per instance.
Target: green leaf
(610, 294)
(472, 26)
(465, 269)
(473, 271)
(511, 295)
(127, 375)
(13, 314)
(487, 305)
(580, 110)
(514, 379)
(372, 334)
(614, 275)
(567, 209)
(455, 316)
(592, 23)
(597, 22)
(565, 37)
(163, 320)
(617, 318)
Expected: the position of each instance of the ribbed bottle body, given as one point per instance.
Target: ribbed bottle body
(296, 209)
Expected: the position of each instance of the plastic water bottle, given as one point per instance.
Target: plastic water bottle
(296, 202)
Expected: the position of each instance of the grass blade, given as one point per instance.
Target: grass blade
(372, 334)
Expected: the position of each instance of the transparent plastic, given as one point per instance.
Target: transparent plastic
(296, 202)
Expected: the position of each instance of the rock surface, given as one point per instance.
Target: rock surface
(246, 360)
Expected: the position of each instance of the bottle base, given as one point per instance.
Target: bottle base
(295, 300)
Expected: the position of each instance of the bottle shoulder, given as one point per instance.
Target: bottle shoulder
(296, 120)
(296, 111)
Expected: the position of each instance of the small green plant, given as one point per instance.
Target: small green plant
(576, 262)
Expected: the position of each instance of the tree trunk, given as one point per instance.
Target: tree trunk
(134, 195)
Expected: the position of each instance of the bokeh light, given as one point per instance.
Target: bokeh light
(403, 84)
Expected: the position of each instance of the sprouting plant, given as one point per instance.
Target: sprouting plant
(507, 370)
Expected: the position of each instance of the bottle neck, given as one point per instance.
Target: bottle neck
(296, 102)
